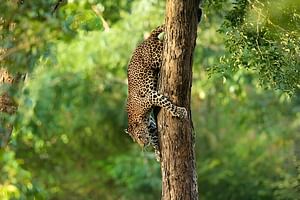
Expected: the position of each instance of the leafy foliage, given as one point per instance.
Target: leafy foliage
(68, 140)
(15, 182)
(264, 37)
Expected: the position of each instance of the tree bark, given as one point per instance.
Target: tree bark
(179, 178)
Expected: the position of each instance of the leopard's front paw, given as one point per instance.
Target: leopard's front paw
(181, 112)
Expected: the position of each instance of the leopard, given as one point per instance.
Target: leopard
(143, 95)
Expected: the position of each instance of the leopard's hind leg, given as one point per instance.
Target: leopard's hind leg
(162, 101)
(153, 138)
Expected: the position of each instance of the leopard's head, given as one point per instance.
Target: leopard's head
(139, 133)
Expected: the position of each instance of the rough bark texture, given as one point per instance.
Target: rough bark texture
(177, 136)
(7, 105)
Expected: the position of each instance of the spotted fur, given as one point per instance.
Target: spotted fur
(143, 71)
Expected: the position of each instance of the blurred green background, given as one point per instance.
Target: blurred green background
(68, 141)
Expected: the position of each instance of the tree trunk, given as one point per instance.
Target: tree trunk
(7, 106)
(176, 135)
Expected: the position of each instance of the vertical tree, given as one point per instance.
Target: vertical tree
(176, 136)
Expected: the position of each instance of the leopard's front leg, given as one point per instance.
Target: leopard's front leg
(162, 101)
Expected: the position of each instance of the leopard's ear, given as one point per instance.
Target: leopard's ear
(154, 33)
(126, 131)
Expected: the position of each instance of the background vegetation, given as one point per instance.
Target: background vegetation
(68, 141)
